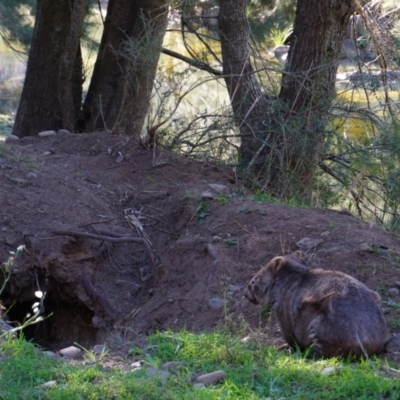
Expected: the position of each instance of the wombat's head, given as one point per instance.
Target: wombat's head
(257, 290)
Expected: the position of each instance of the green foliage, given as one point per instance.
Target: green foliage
(264, 197)
(203, 210)
(279, 36)
(16, 22)
(267, 15)
(230, 242)
(187, 196)
(364, 170)
(222, 198)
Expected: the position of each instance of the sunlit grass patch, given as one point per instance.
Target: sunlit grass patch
(257, 371)
(253, 371)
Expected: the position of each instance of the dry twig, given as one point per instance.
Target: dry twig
(115, 239)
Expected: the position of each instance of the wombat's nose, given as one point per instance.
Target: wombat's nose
(249, 295)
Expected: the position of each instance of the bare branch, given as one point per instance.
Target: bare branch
(194, 63)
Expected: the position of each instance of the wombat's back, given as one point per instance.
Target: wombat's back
(346, 322)
(331, 311)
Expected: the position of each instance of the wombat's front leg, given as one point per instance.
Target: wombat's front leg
(315, 349)
(315, 344)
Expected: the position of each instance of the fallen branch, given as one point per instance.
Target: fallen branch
(97, 297)
(114, 238)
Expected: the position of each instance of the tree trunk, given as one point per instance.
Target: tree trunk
(120, 89)
(308, 82)
(70, 99)
(248, 103)
(39, 107)
(280, 145)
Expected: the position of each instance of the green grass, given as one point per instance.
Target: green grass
(253, 371)
(203, 210)
(265, 197)
(222, 198)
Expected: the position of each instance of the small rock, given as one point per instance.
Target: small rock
(173, 364)
(246, 339)
(365, 247)
(199, 385)
(158, 373)
(100, 348)
(31, 175)
(328, 371)
(120, 158)
(63, 132)
(136, 365)
(12, 138)
(216, 302)
(393, 292)
(71, 352)
(207, 195)
(393, 345)
(97, 322)
(49, 353)
(213, 377)
(19, 180)
(49, 384)
(4, 326)
(217, 239)
(308, 244)
(216, 187)
(235, 288)
(325, 234)
(47, 133)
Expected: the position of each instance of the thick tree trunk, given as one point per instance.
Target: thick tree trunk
(248, 103)
(120, 89)
(70, 99)
(281, 147)
(308, 83)
(39, 107)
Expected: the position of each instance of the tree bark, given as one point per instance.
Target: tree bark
(281, 140)
(123, 76)
(308, 82)
(248, 103)
(69, 89)
(39, 107)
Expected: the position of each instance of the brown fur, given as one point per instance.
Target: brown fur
(329, 312)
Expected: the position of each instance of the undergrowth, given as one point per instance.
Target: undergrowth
(253, 371)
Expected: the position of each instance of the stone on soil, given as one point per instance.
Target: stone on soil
(47, 133)
(213, 377)
(71, 352)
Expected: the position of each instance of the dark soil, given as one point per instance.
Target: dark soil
(205, 250)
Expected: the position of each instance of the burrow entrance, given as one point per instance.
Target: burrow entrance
(88, 285)
(64, 323)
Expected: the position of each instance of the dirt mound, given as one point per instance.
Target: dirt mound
(206, 234)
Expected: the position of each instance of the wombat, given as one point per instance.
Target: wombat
(328, 312)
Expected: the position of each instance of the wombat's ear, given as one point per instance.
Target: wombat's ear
(276, 264)
(296, 255)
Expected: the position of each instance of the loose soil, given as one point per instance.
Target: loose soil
(204, 247)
